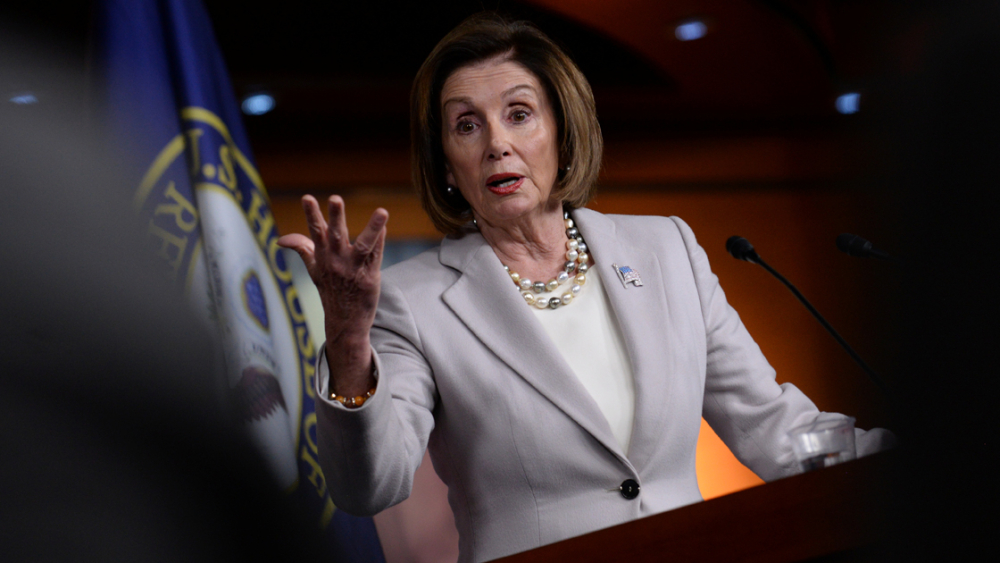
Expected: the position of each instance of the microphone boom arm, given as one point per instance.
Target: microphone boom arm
(871, 373)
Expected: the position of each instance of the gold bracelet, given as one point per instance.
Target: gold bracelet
(353, 402)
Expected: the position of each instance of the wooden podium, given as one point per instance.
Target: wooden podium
(835, 514)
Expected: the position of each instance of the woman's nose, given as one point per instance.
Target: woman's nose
(499, 145)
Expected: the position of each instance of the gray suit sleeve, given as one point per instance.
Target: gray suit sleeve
(743, 402)
(369, 454)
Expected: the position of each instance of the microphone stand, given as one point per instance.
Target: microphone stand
(741, 249)
(871, 373)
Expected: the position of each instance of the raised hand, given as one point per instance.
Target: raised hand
(347, 277)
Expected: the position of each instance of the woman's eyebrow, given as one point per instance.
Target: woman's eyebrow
(505, 94)
(459, 100)
(515, 89)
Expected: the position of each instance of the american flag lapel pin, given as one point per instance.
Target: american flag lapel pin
(627, 275)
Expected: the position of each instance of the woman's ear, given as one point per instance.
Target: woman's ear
(449, 178)
(565, 162)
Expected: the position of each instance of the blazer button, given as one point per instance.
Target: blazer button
(629, 489)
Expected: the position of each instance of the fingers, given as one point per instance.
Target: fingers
(375, 257)
(314, 218)
(301, 244)
(372, 238)
(333, 235)
(337, 234)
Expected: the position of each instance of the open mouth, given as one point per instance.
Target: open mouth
(503, 182)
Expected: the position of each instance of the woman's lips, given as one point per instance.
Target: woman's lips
(501, 184)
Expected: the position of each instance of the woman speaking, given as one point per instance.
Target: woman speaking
(556, 361)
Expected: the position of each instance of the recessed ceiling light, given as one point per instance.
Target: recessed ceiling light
(690, 30)
(258, 104)
(23, 98)
(848, 103)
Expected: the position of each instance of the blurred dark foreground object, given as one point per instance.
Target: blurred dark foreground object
(943, 127)
(114, 442)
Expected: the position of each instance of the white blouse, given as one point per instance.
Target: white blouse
(588, 335)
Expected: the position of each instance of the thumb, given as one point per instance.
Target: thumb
(302, 245)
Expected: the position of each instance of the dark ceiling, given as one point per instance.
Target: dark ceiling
(341, 71)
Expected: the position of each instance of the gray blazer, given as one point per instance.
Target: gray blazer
(528, 457)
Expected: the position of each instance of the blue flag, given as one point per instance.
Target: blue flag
(169, 99)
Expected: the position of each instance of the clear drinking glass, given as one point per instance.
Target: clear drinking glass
(827, 441)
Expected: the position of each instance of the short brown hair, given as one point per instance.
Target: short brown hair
(480, 38)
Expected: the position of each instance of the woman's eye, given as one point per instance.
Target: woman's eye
(519, 116)
(466, 127)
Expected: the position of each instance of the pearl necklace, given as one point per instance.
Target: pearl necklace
(576, 263)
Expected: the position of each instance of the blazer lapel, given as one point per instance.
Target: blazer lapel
(485, 300)
(642, 315)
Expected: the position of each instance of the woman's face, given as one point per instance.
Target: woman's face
(499, 136)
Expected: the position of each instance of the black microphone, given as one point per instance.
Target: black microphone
(853, 245)
(741, 249)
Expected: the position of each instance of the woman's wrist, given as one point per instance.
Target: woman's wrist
(355, 401)
(353, 375)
